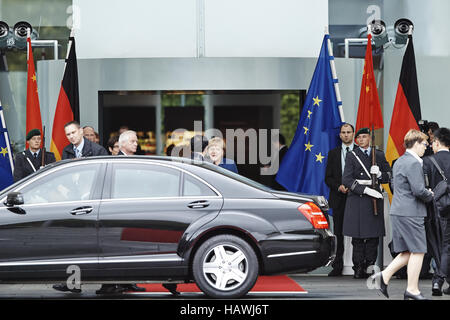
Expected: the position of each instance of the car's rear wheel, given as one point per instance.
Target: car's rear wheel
(225, 266)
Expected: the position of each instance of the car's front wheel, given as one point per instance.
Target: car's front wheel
(225, 266)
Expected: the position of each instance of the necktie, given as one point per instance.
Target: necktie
(366, 152)
(77, 153)
(35, 155)
(348, 149)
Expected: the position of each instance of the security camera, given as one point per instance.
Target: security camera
(4, 33)
(379, 33)
(20, 32)
(402, 27)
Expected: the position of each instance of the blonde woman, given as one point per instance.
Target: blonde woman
(408, 212)
(215, 151)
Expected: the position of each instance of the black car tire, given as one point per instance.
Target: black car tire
(225, 266)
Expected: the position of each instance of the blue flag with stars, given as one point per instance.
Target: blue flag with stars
(303, 167)
(6, 162)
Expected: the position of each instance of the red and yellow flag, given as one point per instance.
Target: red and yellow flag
(369, 110)
(34, 120)
(67, 107)
(406, 113)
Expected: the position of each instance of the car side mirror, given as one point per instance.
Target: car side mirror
(14, 199)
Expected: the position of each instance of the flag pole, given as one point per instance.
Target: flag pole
(334, 75)
(374, 159)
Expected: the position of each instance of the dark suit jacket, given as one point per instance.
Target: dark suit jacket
(333, 177)
(279, 157)
(443, 159)
(90, 149)
(22, 167)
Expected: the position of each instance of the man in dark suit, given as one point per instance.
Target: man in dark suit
(360, 221)
(279, 150)
(80, 146)
(338, 192)
(128, 143)
(440, 240)
(30, 160)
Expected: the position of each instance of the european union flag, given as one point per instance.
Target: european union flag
(6, 162)
(303, 166)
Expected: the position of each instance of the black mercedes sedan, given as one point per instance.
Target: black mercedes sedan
(157, 219)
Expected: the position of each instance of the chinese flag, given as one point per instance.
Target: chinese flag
(369, 110)
(34, 120)
(67, 107)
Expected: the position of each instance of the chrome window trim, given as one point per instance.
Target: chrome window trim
(76, 203)
(96, 260)
(219, 195)
(52, 171)
(291, 254)
(159, 198)
(129, 161)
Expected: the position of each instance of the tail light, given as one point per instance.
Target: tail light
(314, 215)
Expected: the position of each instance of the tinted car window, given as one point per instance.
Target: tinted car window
(69, 184)
(193, 187)
(144, 181)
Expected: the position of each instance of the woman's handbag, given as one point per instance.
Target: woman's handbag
(441, 192)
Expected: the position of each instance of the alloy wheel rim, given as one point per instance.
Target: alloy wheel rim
(225, 267)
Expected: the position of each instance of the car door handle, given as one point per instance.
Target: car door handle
(81, 210)
(198, 204)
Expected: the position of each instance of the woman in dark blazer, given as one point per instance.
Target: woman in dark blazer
(407, 213)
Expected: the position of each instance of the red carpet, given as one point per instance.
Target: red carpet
(264, 284)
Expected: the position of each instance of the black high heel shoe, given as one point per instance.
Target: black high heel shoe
(378, 277)
(410, 296)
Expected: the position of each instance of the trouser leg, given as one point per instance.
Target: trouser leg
(358, 253)
(445, 249)
(371, 251)
(338, 262)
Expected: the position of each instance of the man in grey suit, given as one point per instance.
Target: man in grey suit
(439, 236)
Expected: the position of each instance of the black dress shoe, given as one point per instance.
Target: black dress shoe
(134, 288)
(335, 273)
(63, 288)
(410, 296)
(360, 273)
(383, 286)
(436, 289)
(110, 289)
(172, 287)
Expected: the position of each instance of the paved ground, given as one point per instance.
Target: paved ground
(318, 287)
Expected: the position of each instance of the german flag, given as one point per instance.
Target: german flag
(406, 113)
(67, 107)
(34, 120)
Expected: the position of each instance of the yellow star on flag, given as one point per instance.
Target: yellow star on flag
(34, 77)
(4, 151)
(316, 101)
(367, 89)
(308, 146)
(306, 129)
(309, 114)
(319, 157)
